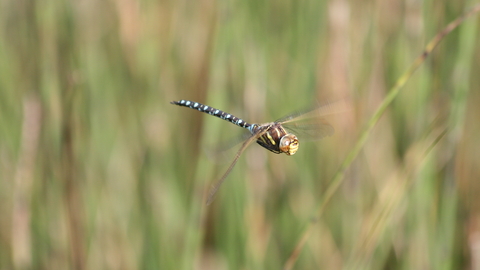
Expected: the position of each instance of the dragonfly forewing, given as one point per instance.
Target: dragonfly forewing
(316, 112)
(311, 131)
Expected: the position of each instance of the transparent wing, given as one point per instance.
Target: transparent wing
(317, 111)
(222, 152)
(217, 185)
(309, 124)
(310, 131)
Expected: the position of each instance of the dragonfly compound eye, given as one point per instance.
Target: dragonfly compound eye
(289, 144)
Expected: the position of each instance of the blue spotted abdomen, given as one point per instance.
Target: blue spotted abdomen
(212, 111)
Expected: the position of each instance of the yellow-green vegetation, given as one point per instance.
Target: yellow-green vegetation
(99, 171)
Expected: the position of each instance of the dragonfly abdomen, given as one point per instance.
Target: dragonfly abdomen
(212, 111)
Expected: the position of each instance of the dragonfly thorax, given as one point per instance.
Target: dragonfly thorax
(273, 137)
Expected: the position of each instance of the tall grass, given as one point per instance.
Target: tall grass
(99, 171)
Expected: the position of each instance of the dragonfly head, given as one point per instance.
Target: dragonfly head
(289, 144)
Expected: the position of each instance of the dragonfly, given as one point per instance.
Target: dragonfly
(278, 137)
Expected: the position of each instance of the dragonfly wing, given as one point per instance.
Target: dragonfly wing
(222, 152)
(217, 185)
(310, 131)
(317, 111)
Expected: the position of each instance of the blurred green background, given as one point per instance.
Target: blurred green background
(99, 171)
